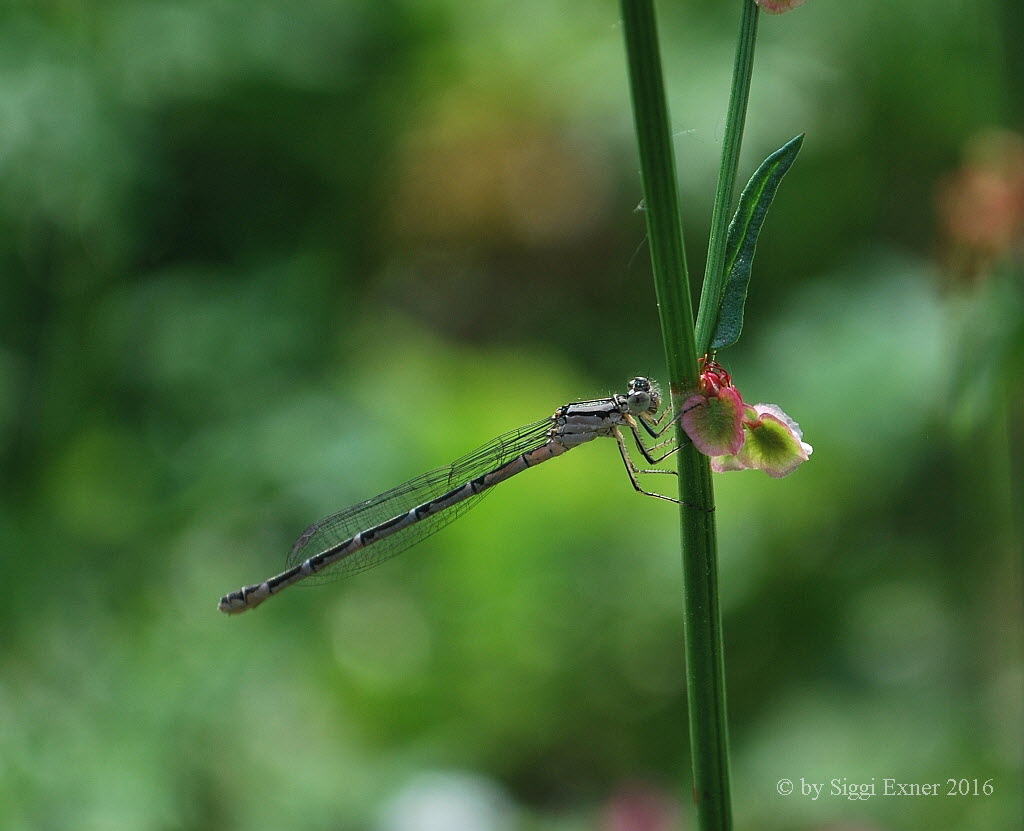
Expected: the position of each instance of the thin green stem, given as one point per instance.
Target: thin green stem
(714, 272)
(661, 196)
(703, 630)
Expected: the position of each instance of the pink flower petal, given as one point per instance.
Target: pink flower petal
(715, 424)
(724, 464)
(773, 444)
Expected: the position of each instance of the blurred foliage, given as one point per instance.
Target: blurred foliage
(264, 259)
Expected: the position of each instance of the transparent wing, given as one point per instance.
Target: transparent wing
(341, 526)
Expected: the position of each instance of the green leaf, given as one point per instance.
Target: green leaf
(744, 229)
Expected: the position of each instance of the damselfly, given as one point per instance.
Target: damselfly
(360, 537)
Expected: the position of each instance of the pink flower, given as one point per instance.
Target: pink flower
(713, 418)
(737, 436)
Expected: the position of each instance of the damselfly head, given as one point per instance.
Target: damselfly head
(643, 396)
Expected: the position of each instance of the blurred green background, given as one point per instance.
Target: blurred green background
(264, 259)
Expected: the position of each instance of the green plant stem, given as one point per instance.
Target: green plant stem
(661, 196)
(703, 631)
(714, 271)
